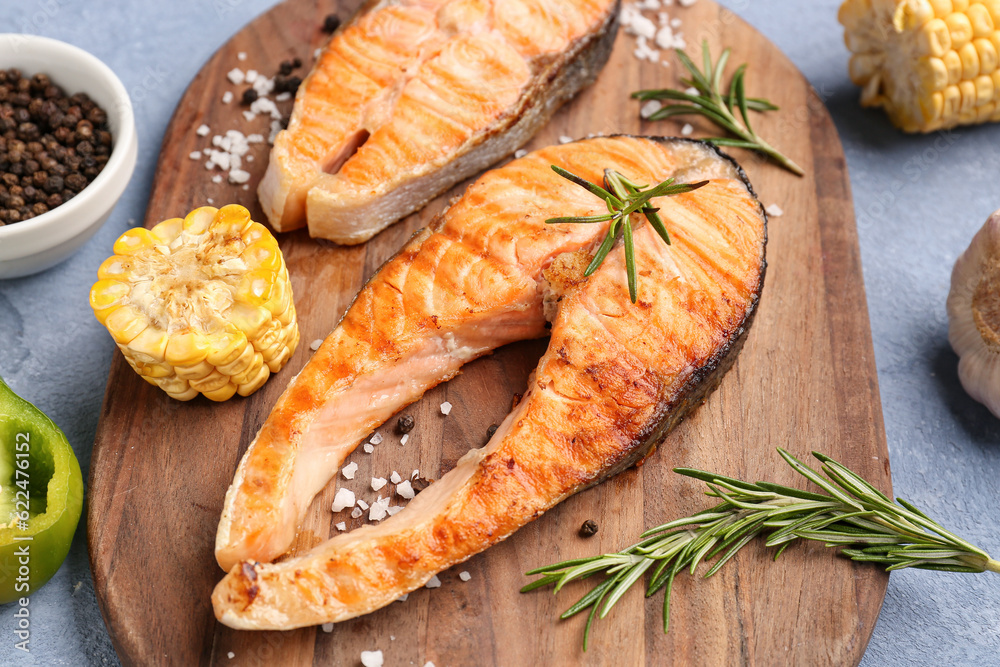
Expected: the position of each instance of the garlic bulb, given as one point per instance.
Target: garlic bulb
(974, 315)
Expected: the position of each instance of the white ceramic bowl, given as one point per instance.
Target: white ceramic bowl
(44, 241)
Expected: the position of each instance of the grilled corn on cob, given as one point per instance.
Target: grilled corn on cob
(199, 305)
(931, 64)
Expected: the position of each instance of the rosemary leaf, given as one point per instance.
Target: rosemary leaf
(852, 516)
(719, 104)
(623, 197)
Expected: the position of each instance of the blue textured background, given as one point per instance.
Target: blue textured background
(919, 200)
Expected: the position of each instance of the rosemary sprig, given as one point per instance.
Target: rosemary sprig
(623, 197)
(717, 105)
(848, 514)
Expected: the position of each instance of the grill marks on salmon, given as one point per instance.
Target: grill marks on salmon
(411, 97)
(616, 376)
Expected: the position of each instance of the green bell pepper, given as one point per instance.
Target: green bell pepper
(41, 496)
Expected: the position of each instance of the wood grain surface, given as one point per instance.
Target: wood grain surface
(805, 381)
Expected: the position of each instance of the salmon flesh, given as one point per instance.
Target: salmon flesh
(615, 379)
(412, 96)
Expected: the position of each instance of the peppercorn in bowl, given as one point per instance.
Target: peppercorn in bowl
(67, 150)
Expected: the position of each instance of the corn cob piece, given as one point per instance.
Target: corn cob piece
(199, 305)
(932, 64)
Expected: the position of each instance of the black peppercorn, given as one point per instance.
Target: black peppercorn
(588, 529)
(405, 424)
(249, 97)
(331, 23)
(491, 431)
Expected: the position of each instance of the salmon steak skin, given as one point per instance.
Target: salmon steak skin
(615, 379)
(412, 96)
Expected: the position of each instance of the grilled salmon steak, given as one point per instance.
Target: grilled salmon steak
(615, 379)
(412, 96)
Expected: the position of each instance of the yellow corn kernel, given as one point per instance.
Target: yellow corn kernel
(942, 8)
(933, 74)
(985, 111)
(968, 90)
(932, 107)
(953, 63)
(125, 323)
(960, 28)
(912, 14)
(993, 7)
(200, 304)
(982, 22)
(970, 61)
(952, 103)
(987, 55)
(198, 220)
(133, 241)
(996, 85)
(984, 90)
(959, 5)
(934, 39)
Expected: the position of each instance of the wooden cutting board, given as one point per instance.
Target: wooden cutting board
(805, 381)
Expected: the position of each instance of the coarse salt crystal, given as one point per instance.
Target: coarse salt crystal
(686, 3)
(394, 510)
(378, 483)
(445, 408)
(362, 504)
(405, 490)
(392, 638)
(255, 138)
(249, 115)
(317, 52)
(230, 655)
(251, 75)
(520, 153)
(356, 512)
(665, 37)
(428, 664)
(281, 97)
(315, 344)
(675, 23)
(371, 658)
(195, 155)
(369, 448)
(210, 200)
(236, 76)
(349, 470)
(242, 55)
(376, 439)
(203, 130)
(239, 176)
(402, 598)
(563, 139)
(637, 24)
(217, 178)
(227, 97)
(263, 85)
(275, 128)
(650, 107)
(262, 105)
(344, 499)
(379, 509)
(246, 188)
(406, 436)
(464, 576)
(774, 211)
(687, 130)
(249, 158)
(395, 478)
(692, 91)
(342, 526)
(433, 583)
(327, 627)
